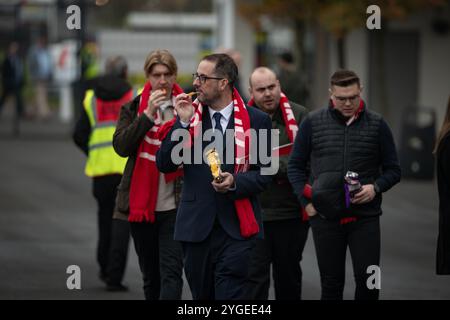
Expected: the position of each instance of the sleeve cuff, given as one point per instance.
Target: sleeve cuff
(376, 187)
(304, 201)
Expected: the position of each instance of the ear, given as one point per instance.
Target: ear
(330, 91)
(223, 84)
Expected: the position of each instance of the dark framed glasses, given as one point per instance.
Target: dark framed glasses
(202, 78)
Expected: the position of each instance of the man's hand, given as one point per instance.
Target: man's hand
(154, 101)
(226, 184)
(365, 195)
(310, 210)
(184, 108)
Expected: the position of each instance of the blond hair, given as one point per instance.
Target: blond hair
(163, 57)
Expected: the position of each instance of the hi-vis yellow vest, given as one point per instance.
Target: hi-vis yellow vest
(103, 115)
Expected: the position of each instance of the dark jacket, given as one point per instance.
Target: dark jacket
(12, 73)
(106, 88)
(278, 201)
(201, 206)
(443, 180)
(366, 146)
(130, 132)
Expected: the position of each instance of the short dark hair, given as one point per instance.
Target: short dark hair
(117, 66)
(225, 66)
(287, 57)
(344, 78)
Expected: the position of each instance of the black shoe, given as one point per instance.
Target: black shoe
(116, 287)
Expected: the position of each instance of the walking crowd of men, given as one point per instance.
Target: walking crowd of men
(228, 226)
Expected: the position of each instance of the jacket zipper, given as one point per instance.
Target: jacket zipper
(345, 152)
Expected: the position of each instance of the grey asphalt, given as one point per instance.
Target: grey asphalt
(48, 222)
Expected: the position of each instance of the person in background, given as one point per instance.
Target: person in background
(93, 134)
(442, 152)
(40, 67)
(290, 78)
(12, 78)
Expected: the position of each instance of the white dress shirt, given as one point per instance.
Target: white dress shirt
(225, 112)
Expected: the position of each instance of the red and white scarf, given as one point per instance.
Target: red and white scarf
(289, 122)
(145, 178)
(247, 222)
(357, 113)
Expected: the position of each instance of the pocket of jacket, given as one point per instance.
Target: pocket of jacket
(123, 200)
(328, 196)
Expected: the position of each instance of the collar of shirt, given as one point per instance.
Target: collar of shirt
(167, 103)
(226, 114)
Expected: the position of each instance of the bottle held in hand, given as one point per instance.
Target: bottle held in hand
(214, 163)
(352, 186)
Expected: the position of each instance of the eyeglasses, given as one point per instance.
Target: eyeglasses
(203, 78)
(351, 99)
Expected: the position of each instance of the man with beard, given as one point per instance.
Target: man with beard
(218, 219)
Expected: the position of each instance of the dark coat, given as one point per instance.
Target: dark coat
(130, 132)
(443, 180)
(12, 73)
(279, 201)
(201, 206)
(366, 146)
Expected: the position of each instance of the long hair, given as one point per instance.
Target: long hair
(445, 129)
(163, 57)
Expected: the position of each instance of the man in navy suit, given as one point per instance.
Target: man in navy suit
(211, 220)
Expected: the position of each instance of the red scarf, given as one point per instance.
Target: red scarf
(289, 123)
(357, 113)
(247, 222)
(145, 178)
(291, 128)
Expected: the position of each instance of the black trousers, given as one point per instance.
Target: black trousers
(113, 235)
(160, 257)
(282, 247)
(217, 268)
(17, 93)
(331, 240)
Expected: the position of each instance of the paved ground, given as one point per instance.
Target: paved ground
(48, 222)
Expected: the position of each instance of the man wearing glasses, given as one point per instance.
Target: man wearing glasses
(218, 219)
(345, 137)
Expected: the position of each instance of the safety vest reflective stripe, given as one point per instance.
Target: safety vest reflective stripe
(102, 159)
(100, 145)
(106, 124)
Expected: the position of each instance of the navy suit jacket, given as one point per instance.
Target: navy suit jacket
(200, 204)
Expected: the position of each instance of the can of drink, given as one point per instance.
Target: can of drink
(352, 183)
(352, 186)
